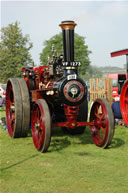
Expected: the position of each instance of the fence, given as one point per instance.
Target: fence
(101, 88)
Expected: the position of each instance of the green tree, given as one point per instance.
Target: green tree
(14, 51)
(81, 51)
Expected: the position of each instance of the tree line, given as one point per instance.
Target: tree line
(15, 53)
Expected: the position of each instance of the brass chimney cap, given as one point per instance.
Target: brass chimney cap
(67, 25)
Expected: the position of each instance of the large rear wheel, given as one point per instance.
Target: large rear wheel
(14, 108)
(101, 113)
(41, 125)
(124, 102)
(17, 107)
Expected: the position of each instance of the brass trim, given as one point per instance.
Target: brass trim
(68, 25)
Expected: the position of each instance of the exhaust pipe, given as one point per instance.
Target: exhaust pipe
(68, 39)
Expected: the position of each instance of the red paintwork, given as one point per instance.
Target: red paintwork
(77, 124)
(35, 95)
(119, 53)
(124, 102)
(71, 113)
(42, 75)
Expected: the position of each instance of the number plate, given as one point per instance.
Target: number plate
(71, 76)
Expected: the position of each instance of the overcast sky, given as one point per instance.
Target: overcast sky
(103, 23)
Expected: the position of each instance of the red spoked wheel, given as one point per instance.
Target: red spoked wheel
(124, 102)
(14, 108)
(41, 125)
(102, 132)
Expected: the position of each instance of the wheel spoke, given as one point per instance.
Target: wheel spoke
(13, 118)
(97, 115)
(40, 133)
(97, 112)
(104, 131)
(102, 116)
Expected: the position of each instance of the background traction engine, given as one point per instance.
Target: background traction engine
(55, 96)
(123, 86)
(124, 101)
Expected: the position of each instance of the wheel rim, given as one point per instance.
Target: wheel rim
(124, 102)
(10, 110)
(25, 106)
(41, 126)
(99, 132)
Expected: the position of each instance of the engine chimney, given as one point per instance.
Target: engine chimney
(68, 39)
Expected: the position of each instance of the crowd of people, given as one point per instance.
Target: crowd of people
(117, 113)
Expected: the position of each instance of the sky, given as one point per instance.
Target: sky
(104, 24)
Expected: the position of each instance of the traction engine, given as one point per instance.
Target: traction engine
(123, 84)
(55, 96)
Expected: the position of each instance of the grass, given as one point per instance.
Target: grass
(73, 164)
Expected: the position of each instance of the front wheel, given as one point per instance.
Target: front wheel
(41, 125)
(14, 108)
(102, 132)
(17, 107)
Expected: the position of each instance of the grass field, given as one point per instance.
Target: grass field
(73, 164)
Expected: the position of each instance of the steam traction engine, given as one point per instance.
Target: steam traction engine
(123, 85)
(55, 96)
(124, 102)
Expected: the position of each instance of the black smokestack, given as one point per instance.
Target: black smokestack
(68, 39)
